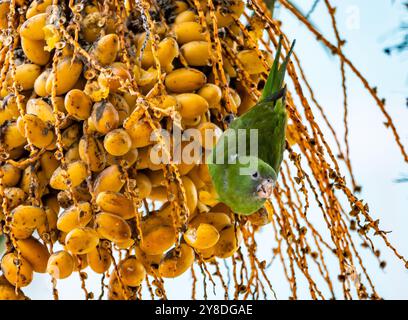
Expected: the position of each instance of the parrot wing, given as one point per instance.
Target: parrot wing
(268, 116)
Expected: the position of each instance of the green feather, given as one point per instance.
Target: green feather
(277, 73)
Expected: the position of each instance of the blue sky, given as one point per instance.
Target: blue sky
(375, 157)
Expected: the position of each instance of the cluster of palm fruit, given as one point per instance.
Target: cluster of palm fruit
(83, 86)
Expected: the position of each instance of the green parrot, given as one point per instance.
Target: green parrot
(244, 180)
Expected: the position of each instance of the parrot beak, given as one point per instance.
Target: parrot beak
(264, 190)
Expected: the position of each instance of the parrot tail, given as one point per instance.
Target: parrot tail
(274, 83)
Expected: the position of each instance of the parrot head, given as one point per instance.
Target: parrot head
(249, 182)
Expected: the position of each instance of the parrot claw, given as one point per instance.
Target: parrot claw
(264, 190)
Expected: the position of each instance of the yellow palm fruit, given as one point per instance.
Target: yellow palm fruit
(15, 196)
(32, 28)
(37, 131)
(218, 220)
(167, 51)
(156, 178)
(12, 136)
(35, 253)
(119, 73)
(8, 292)
(191, 193)
(78, 104)
(48, 163)
(259, 218)
(126, 244)
(165, 102)
(72, 154)
(150, 262)
(76, 172)
(41, 82)
(180, 6)
(110, 179)
(176, 261)
(80, 193)
(75, 216)
(104, 117)
(158, 194)
(158, 235)
(117, 142)
(193, 175)
(116, 203)
(91, 152)
(60, 265)
(203, 237)
(191, 123)
(192, 105)
(165, 214)
(185, 16)
(225, 19)
(251, 62)
(121, 106)
(146, 78)
(144, 185)
(30, 178)
(210, 133)
(116, 289)
(5, 116)
(68, 73)
(212, 93)
(131, 271)
(48, 230)
(21, 233)
(208, 196)
(112, 227)
(34, 51)
(11, 175)
(28, 217)
(51, 202)
(90, 26)
(229, 242)
(185, 80)
(36, 7)
(15, 153)
(41, 109)
(81, 240)
(235, 99)
(106, 49)
(80, 262)
(20, 276)
(140, 134)
(25, 76)
(196, 53)
(189, 31)
(99, 259)
(207, 254)
(70, 135)
(10, 105)
(143, 158)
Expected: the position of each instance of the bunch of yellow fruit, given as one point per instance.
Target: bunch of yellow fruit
(83, 86)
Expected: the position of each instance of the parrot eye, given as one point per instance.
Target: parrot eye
(255, 175)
